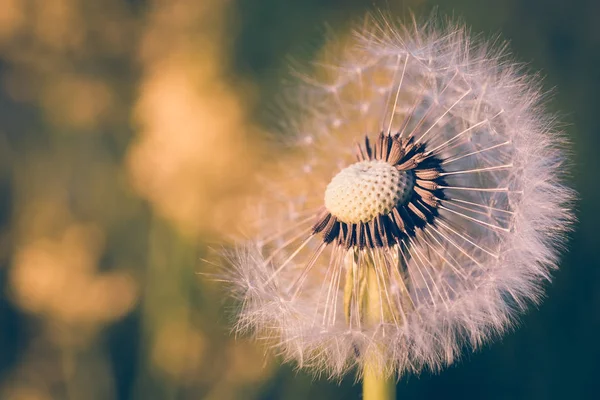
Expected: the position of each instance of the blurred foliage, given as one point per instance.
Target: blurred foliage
(129, 130)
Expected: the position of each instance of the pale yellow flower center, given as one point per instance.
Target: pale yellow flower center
(366, 189)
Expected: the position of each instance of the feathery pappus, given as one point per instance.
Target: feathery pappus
(417, 209)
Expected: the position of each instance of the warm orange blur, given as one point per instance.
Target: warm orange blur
(141, 135)
(192, 154)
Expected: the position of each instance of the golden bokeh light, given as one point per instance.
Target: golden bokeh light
(193, 152)
(58, 280)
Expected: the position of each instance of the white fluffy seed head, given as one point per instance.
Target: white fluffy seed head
(452, 281)
(366, 189)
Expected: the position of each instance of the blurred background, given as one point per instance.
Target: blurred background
(128, 129)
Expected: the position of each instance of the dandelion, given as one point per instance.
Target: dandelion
(420, 209)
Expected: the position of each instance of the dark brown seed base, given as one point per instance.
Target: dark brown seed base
(404, 219)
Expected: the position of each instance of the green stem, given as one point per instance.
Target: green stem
(377, 385)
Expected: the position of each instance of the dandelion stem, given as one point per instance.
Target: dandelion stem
(378, 384)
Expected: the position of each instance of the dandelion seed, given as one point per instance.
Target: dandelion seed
(432, 175)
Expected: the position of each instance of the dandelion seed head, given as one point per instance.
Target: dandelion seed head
(419, 211)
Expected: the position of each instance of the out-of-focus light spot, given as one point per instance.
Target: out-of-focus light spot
(77, 102)
(57, 278)
(12, 19)
(193, 154)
